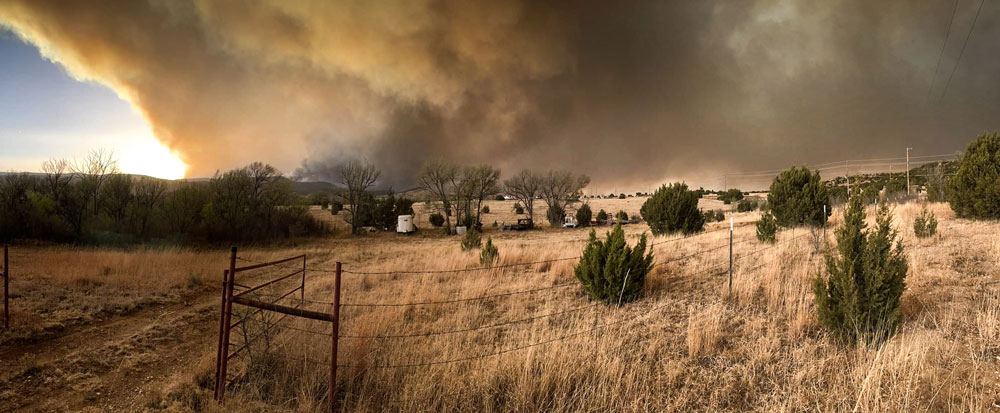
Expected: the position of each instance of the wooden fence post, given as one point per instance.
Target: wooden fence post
(302, 292)
(227, 317)
(335, 337)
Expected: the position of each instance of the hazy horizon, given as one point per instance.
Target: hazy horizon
(632, 95)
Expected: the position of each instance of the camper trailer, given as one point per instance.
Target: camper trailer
(404, 225)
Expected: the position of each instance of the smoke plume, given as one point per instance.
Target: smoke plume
(632, 93)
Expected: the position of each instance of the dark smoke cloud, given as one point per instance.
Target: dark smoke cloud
(632, 94)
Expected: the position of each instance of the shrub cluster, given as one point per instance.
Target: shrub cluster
(621, 216)
(746, 205)
(518, 209)
(859, 300)
(336, 207)
(610, 270)
(672, 209)
(797, 197)
(731, 196)
(925, 224)
(436, 219)
(973, 191)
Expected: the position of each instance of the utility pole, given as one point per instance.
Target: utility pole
(908, 170)
(847, 175)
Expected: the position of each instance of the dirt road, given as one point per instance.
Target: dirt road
(120, 364)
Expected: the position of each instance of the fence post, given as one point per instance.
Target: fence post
(222, 329)
(6, 280)
(227, 316)
(730, 255)
(824, 225)
(302, 290)
(334, 339)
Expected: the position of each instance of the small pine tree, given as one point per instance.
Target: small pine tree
(797, 196)
(583, 215)
(436, 219)
(555, 215)
(925, 224)
(471, 240)
(867, 276)
(336, 207)
(489, 254)
(486, 209)
(602, 217)
(621, 196)
(973, 191)
(518, 209)
(604, 266)
(719, 215)
(673, 208)
(767, 227)
(621, 216)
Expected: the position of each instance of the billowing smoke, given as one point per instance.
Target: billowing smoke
(631, 93)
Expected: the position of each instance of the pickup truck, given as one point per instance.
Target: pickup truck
(521, 225)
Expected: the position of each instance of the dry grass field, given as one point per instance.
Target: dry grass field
(100, 330)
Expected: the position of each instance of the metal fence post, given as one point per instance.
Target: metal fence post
(824, 225)
(730, 255)
(6, 295)
(222, 330)
(302, 291)
(335, 338)
(227, 317)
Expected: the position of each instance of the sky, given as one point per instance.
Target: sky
(633, 94)
(45, 113)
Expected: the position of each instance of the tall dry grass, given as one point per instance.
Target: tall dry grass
(700, 349)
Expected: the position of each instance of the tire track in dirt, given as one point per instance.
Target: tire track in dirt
(113, 366)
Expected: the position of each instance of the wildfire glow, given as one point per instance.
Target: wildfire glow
(150, 157)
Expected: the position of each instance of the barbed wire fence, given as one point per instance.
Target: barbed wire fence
(264, 308)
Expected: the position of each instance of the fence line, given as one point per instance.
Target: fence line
(249, 297)
(501, 266)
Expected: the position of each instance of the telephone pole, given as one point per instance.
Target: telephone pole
(908, 170)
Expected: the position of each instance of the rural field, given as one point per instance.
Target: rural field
(99, 329)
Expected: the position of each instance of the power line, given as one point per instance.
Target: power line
(965, 43)
(946, 37)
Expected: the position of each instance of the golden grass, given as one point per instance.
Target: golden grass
(686, 345)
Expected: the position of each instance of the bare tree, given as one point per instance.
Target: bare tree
(148, 192)
(438, 177)
(93, 171)
(117, 195)
(559, 188)
(484, 183)
(56, 177)
(357, 177)
(525, 187)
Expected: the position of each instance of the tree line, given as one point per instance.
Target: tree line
(459, 188)
(92, 201)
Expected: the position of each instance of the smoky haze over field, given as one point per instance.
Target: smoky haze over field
(631, 94)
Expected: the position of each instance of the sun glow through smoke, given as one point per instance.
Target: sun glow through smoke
(150, 157)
